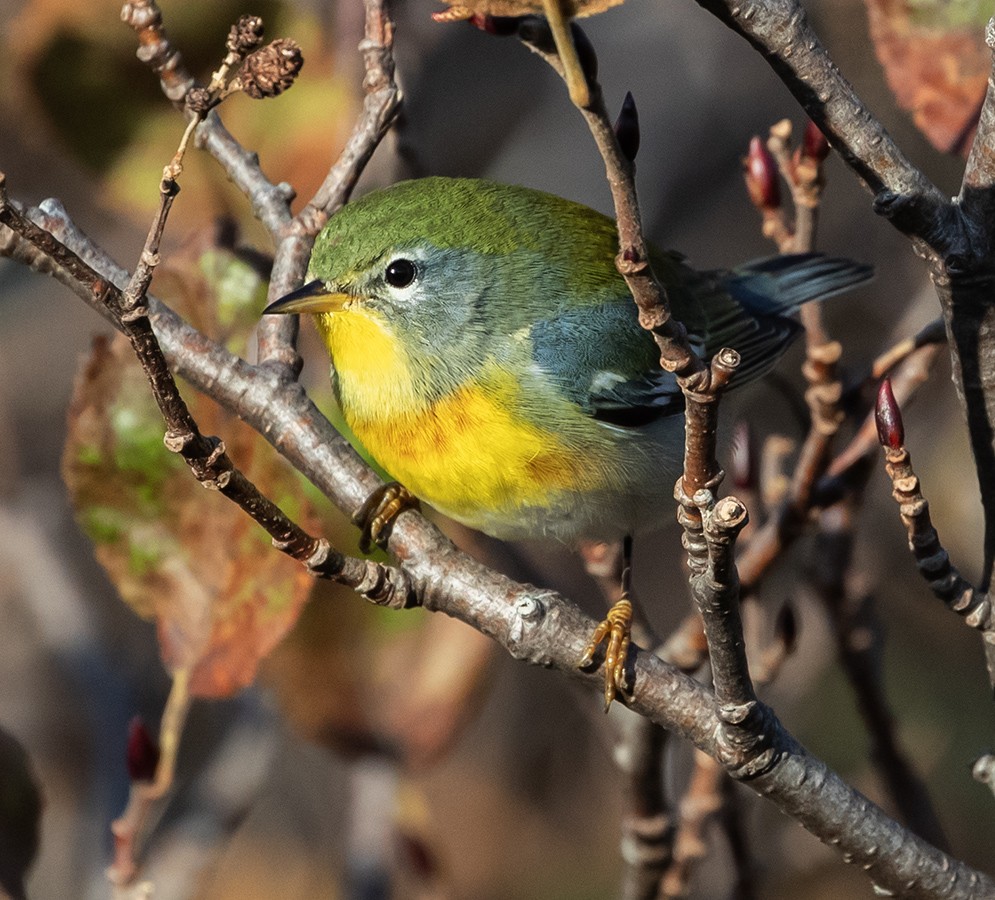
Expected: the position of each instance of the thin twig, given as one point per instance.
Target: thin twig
(144, 795)
(633, 263)
(944, 580)
(700, 805)
(860, 645)
(647, 824)
(277, 335)
(206, 456)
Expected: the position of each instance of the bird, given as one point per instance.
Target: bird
(488, 355)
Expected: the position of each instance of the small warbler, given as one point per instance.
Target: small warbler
(487, 353)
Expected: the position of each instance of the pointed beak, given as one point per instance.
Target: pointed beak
(314, 297)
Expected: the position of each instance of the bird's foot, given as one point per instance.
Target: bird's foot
(615, 631)
(376, 517)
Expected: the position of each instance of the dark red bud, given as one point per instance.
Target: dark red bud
(743, 458)
(143, 751)
(814, 144)
(888, 417)
(627, 128)
(786, 628)
(761, 176)
(629, 255)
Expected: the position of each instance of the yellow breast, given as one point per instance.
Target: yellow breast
(471, 454)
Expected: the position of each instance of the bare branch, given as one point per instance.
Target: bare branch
(780, 31)
(206, 456)
(932, 560)
(380, 108)
(143, 796)
(700, 805)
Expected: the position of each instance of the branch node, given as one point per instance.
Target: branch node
(530, 608)
(133, 315)
(177, 441)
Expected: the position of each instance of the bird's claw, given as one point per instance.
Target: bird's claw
(616, 631)
(377, 515)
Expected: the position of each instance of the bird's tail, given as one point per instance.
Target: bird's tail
(752, 309)
(778, 285)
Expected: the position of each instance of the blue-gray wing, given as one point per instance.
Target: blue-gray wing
(603, 361)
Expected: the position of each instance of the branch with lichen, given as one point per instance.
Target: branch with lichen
(206, 456)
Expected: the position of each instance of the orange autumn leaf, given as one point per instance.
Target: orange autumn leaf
(936, 63)
(188, 558)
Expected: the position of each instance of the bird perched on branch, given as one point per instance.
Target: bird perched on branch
(487, 353)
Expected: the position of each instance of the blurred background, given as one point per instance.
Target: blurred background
(376, 747)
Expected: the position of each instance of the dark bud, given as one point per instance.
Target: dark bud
(198, 100)
(760, 174)
(627, 128)
(585, 53)
(786, 628)
(814, 144)
(743, 464)
(888, 417)
(534, 30)
(143, 751)
(245, 36)
(499, 26)
(272, 69)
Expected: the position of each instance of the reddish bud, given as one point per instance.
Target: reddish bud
(630, 255)
(888, 417)
(143, 751)
(627, 128)
(814, 144)
(761, 176)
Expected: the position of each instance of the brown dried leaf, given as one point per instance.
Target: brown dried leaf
(221, 596)
(936, 63)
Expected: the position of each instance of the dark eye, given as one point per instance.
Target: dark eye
(400, 273)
